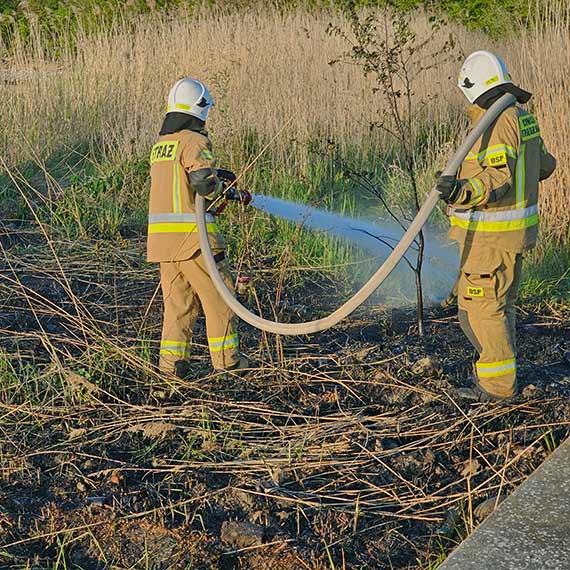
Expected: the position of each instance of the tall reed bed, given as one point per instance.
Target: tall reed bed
(103, 97)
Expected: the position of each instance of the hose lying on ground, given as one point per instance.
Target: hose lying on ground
(376, 280)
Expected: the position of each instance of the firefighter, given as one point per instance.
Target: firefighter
(181, 164)
(493, 211)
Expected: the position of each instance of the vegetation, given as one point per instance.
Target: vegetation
(61, 18)
(347, 449)
(75, 96)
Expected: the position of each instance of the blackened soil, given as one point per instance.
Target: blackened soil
(347, 449)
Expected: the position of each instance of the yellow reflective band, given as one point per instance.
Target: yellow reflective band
(207, 154)
(217, 344)
(485, 365)
(520, 177)
(487, 374)
(492, 80)
(491, 151)
(163, 151)
(182, 106)
(174, 343)
(176, 199)
(496, 226)
(169, 217)
(529, 127)
(179, 228)
(233, 344)
(174, 348)
(475, 292)
(175, 351)
(215, 339)
(494, 369)
(477, 194)
(477, 186)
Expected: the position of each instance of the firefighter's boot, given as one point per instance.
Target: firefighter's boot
(476, 394)
(240, 368)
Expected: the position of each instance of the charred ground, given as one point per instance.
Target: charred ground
(343, 450)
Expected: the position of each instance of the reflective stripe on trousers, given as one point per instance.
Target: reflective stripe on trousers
(496, 369)
(491, 221)
(174, 348)
(217, 344)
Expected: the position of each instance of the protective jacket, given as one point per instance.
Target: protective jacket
(181, 163)
(497, 206)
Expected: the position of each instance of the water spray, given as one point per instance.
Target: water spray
(377, 239)
(381, 274)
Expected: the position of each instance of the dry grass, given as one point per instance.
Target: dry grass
(264, 69)
(335, 441)
(351, 450)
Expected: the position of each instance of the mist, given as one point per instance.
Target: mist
(375, 237)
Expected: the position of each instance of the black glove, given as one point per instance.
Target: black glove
(226, 175)
(243, 196)
(232, 193)
(448, 187)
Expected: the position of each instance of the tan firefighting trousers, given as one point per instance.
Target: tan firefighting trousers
(487, 293)
(185, 286)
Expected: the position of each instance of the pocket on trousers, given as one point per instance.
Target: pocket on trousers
(479, 279)
(479, 286)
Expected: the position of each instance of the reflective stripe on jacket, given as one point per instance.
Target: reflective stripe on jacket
(172, 229)
(498, 203)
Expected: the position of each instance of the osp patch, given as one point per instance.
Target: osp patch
(475, 292)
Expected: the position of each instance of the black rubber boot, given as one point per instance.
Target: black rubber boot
(186, 370)
(475, 393)
(240, 368)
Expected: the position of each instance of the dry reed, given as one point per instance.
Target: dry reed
(108, 92)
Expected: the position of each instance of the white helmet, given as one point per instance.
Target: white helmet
(483, 71)
(190, 96)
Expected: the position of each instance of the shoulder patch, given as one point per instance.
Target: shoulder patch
(529, 127)
(163, 151)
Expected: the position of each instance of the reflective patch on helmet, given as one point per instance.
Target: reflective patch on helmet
(163, 151)
(183, 106)
(499, 159)
(529, 127)
(207, 154)
(492, 80)
(475, 291)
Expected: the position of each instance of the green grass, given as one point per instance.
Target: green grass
(547, 276)
(99, 201)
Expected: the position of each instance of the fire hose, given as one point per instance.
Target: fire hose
(381, 274)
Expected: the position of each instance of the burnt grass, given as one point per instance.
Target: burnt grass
(346, 449)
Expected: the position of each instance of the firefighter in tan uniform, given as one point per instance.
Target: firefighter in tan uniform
(181, 163)
(493, 211)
